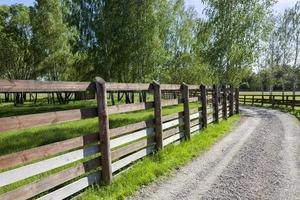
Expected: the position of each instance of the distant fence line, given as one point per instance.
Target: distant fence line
(273, 100)
(108, 151)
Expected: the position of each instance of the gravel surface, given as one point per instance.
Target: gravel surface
(260, 159)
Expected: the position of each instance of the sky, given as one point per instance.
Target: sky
(280, 6)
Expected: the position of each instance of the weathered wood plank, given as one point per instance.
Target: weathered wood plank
(129, 107)
(173, 138)
(172, 131)
(193, 99)
(175, 122)
(194, 123)
(128, 87)
(27, 171)
(32, 189)
(72, 188)
(172, 116)
(170, 102)
(34, 120)
(115, 132)
(170, 87)
(43, 86)
(14, 159)
(131, 137)
(120, 152)
(196, 128)
(195, 115)
(131, 158)
(194, 87)
(210, 120)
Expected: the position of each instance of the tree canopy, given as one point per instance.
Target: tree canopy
(237, 42)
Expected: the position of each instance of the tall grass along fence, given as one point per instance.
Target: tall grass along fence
(290, 101)
(65, 168)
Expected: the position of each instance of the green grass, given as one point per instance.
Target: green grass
(14, 141)
(8, 109)
(160, 164)
(283, 108)
(267, 93)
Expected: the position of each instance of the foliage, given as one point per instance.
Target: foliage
(236, 29)
(16, 53)
(51, 40)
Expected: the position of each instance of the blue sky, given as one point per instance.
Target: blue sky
(279, 7)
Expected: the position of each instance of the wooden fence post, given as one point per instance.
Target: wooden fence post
(252, 100)
(158, 115)
(224, 88)
(186, 111)
(204, 105)
(104, 131)
(262, 100)
(216, 102)
(231, 100)
(237, 107)
(293, 102)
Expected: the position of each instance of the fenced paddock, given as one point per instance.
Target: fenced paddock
(62, 169)
(288, 100)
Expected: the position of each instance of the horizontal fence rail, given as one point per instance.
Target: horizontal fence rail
(61, 169)
(273, 100)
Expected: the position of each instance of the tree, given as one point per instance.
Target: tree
(51, 40)
(237, 28)
(16, 60)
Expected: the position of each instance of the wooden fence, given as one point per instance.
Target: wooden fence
(76, 163)
(273, 100)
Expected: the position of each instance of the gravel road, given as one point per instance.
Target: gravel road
(260, 159)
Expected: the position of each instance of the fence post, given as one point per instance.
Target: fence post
(293, 103)
(103, 130)
(231, 100)
(216, 102)
(186, 111)
(204, 105)
(224, 88)
(262, 100)
(252, 100)
(237, 107)
(158, 115)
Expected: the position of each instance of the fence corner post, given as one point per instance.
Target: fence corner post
(103, 130)
(186, 110)
(204, 105)
(158, 115)
(237, 107)
(231, 100)
(216, 102)
(224, 88)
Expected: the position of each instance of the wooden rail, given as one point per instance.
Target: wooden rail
(98, 156)
(273, 100)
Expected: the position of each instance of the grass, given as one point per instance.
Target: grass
(160, 164)
(14, 141)
(283, 108)
(267, 93)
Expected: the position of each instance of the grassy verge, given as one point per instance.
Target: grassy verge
(160, 164)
